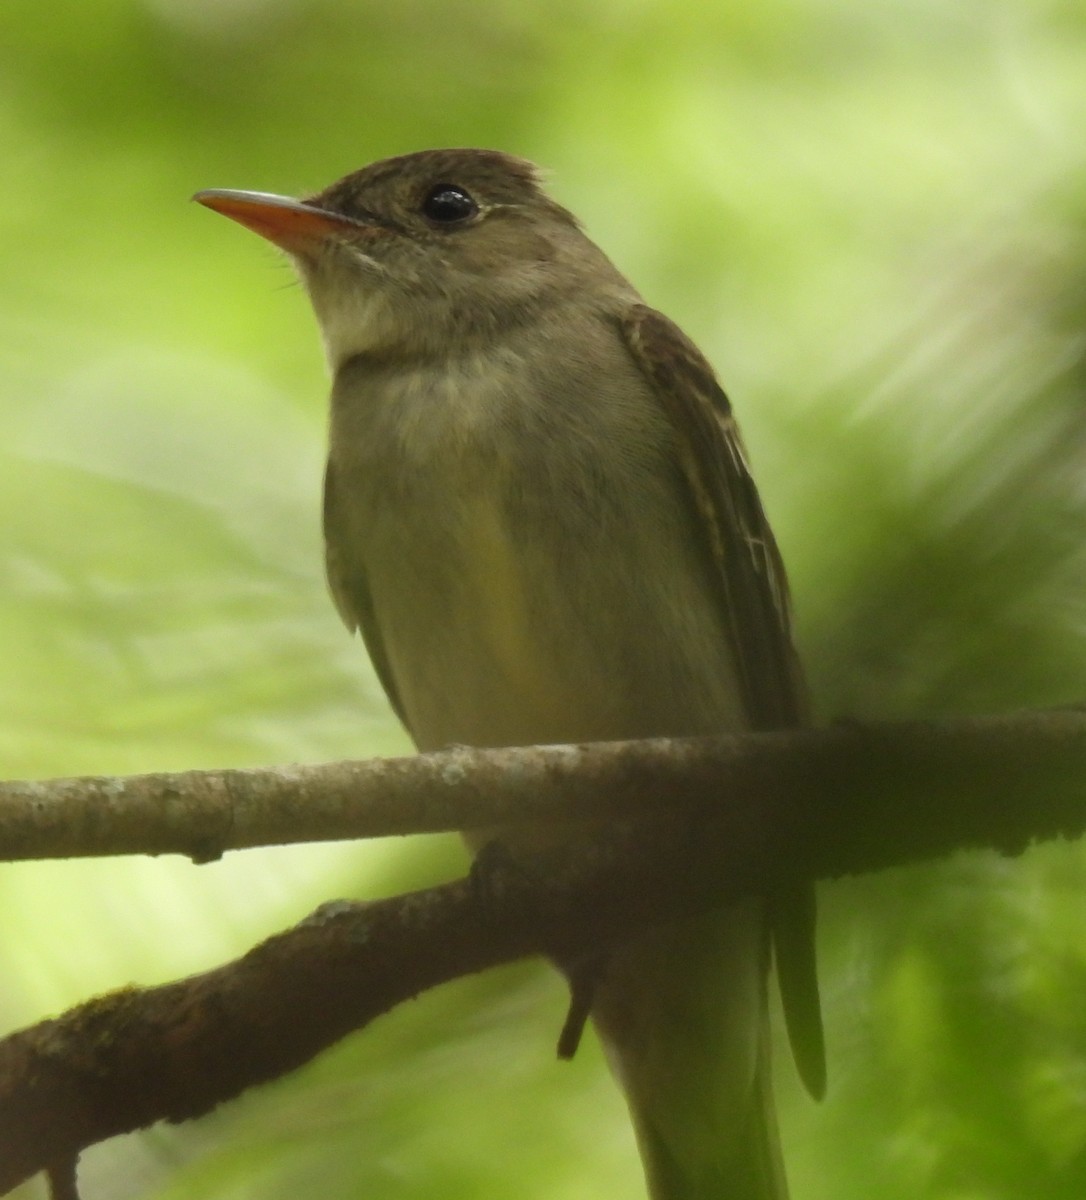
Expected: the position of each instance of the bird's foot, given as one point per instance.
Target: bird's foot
(583, 977)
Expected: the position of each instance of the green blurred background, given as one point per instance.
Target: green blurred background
(871, 216)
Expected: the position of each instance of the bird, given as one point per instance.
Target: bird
(539, 515)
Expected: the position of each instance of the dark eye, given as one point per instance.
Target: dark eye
(446, 203)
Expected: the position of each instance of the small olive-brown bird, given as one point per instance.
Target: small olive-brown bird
(539, 515)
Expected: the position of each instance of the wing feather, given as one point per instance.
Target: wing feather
(753, 592)
(350, 589)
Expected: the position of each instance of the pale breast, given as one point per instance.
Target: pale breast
(535, 570)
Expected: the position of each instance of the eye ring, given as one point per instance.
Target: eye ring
(448, 204)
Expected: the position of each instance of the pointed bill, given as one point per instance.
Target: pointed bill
(292, 225)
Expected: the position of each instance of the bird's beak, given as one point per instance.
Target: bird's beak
(292, 225)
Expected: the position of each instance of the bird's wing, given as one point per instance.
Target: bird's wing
(350, 590)
(754, 602)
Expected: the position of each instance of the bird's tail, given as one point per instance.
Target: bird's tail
(748, 1166)
(682, 1014)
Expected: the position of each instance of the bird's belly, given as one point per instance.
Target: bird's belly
(503, 637)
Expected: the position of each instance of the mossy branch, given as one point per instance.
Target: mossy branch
(683, 825)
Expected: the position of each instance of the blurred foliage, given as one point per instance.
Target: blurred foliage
(870, 216)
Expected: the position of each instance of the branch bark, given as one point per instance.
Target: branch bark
(754, 810)
(897, 777)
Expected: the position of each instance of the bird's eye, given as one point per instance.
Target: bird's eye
(446, 204)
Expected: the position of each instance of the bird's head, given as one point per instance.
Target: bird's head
(412, 255)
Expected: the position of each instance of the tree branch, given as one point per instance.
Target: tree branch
(893, 774)
(759, 809)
